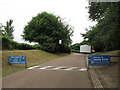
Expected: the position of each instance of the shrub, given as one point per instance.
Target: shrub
(36, 46)
(6, 42)
(76, 51)
(24, 46)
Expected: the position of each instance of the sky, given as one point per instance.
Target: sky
(21, 12)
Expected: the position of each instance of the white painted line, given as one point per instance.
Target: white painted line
(83, 69)
(33, 67)
(46, 67)
(71, 68)
(58, 68)
(30, 68)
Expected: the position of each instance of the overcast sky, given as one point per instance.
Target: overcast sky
(22, 11)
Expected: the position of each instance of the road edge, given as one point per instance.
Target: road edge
(96, 82)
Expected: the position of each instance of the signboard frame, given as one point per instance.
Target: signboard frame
(17, 60)
(99, 60)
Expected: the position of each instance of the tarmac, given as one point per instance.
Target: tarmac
(65, 72)
(57, 78)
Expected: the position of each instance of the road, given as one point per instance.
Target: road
(53, 78)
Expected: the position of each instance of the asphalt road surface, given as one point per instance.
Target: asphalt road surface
(43, 78)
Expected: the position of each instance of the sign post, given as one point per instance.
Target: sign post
(99, 60)
(60, 41)
(17, 60)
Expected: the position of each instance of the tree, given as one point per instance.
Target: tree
(104, 36)
(8, 29)
(6, 35)
(47, 29)
(1, 29)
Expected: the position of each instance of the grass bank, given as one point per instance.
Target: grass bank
(34, 57)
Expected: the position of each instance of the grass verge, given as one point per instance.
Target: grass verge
(34, 57)
(108, 75)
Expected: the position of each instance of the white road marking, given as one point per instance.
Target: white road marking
(71, 68)
(33, 67)
(45, 67)
(83, 69)
(59, 68)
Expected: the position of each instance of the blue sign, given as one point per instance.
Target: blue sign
(17, 59)
(98, 60)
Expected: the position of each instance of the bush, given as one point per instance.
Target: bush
(76, 51)
(6, 42)
(55, 48)
(36, 46)
(65, 49)
(49, 47)
(24, 46)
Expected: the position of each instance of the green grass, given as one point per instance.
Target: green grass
(34, 57)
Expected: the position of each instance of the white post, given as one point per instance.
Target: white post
(60, 41)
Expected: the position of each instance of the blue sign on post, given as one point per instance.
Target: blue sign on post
(98, 60)
(17, 59)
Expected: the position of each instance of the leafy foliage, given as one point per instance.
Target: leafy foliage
(105, 35)
(8, 29)
(47, 29)
(36, 46)
(24, 46)
(8, 43)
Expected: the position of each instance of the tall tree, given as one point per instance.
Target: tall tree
(8, 28)
(47, 29)
(105, 35)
